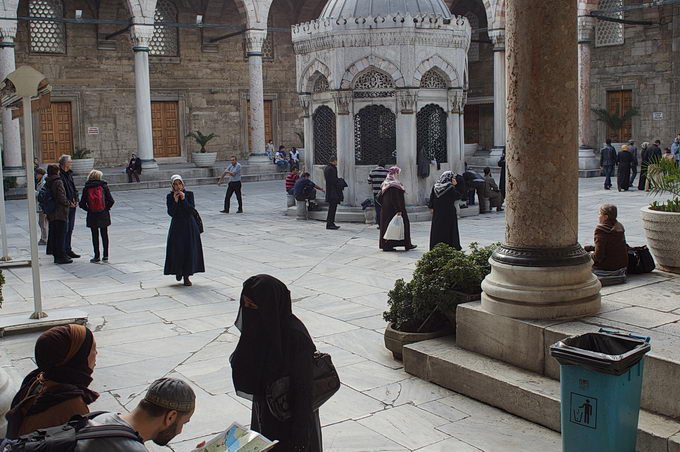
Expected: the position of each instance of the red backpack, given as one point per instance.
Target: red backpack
(95, 199)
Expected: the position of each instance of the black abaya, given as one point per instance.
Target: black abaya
(626, 161)
(444, 227)
(393, 202)
(184, 251)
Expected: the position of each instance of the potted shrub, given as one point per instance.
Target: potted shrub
(82, 163)
(615, 123)
(202, 158)
(661, 221)
(424, 308)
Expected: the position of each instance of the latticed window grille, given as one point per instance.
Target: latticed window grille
(375, 136)
(321, 84)
(324, 135)
(609, 33)
(473, 52)
(47, 37)
(373, 83)
(431, 125)
(433, 79)
(165, 40)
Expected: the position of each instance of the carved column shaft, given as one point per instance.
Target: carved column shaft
(499, 90)
(254, 41)
(585, 37)
(141, 38)
(11, 133)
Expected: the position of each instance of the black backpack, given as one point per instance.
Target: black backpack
(640, 260)
(46, 201)
(63, 438)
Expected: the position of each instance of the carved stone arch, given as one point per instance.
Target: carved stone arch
(306, 82)
(378, 63)
(442, 66)
(142, 8)
(497, 19)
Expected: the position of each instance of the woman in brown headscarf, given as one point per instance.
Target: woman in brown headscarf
(58, 389)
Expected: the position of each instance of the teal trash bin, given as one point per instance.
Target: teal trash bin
(600, 385)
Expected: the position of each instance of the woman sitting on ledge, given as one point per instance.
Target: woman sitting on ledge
(610, 253)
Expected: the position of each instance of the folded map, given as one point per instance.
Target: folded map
(237, 438)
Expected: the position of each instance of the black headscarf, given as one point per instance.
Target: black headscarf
(61, 354)
(261, 354)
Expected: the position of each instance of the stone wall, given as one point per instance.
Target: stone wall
(210, 82)
(647, 64)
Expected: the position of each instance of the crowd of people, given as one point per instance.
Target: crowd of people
(273, 344)
(624, 163)
(282, 158)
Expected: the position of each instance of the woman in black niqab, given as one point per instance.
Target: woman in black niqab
(273, 344)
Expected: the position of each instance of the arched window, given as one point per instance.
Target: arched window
(473, 53)
(321, 84)
(373, 83)
(609, 33)
(324, 135)
(47, 37)
(375, 138)
(165, 40)
(431, 123)
(433, 79)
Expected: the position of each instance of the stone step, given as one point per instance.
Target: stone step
(346, 214)
(525, 394)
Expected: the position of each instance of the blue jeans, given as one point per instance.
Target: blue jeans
(608, 171)
(69, 229)
(378, 208)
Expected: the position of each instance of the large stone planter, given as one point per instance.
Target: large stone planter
(204, 159)
(662, 230)
(395, 340)
(82, 166)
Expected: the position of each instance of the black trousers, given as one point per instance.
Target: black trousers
(131, 173)
(105, 241)
(234, 187)
(69, 229)
(55, 239)
(332, 208)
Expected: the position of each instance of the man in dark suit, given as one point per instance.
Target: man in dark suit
(333, 192)
(134, 168)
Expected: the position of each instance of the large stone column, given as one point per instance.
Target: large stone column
(254, 41)
(540, 271)
(499, 93)
(455, 154)
(407, 142)
(589, 163)
(344, 140)
(306, 104)
(141, 37)
(11, 133)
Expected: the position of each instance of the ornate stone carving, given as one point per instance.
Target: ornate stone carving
(457, 100)
(541, 257)
(586, 29)
(254, 41)
(306, 104)
(141, 36)
(407, 99)
(498, 39)
(343, 102)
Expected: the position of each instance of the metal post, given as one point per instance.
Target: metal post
(32, 226)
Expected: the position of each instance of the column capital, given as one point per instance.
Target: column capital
(306, 104)
(254, 40)
(457, 100)
(407, 99)
(141, 36)
(586, 29)
(498, 39)
(343, 101)
(8, 31)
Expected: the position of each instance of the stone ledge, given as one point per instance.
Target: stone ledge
(526, 394)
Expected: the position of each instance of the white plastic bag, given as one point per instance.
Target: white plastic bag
(395, 230)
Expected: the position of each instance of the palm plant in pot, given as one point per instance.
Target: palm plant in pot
(615, 123)
(424, 308)
(661, 220)
(82, 162)
(202, 158)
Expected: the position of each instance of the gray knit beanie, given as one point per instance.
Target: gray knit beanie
(171, 394)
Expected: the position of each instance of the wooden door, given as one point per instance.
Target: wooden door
(56, 132)
(268, 124)
(620, 102)
(471, 118)
(165, 126)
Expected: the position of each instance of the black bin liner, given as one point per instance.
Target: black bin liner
(605, 352)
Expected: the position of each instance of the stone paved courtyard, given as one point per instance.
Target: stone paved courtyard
(147, 326)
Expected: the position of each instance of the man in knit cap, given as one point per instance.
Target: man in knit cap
(159, 417)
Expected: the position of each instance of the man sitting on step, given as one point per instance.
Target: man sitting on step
(305, 190)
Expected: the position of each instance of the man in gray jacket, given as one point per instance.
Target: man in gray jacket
(608, 163)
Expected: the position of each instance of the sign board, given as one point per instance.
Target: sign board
(657, 116)
(93, 130)
(583, 410)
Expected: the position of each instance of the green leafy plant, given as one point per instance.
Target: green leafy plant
(442, 275)
(80, 153)
(664, 178)
(201, 139)
(614, 121)
(301, 137)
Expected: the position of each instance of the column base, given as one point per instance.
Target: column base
(588, 162)
(149, 165)
(542, 291)
(259, 158)
(16, 171)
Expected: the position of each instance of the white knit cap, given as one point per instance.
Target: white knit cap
(176, 177)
